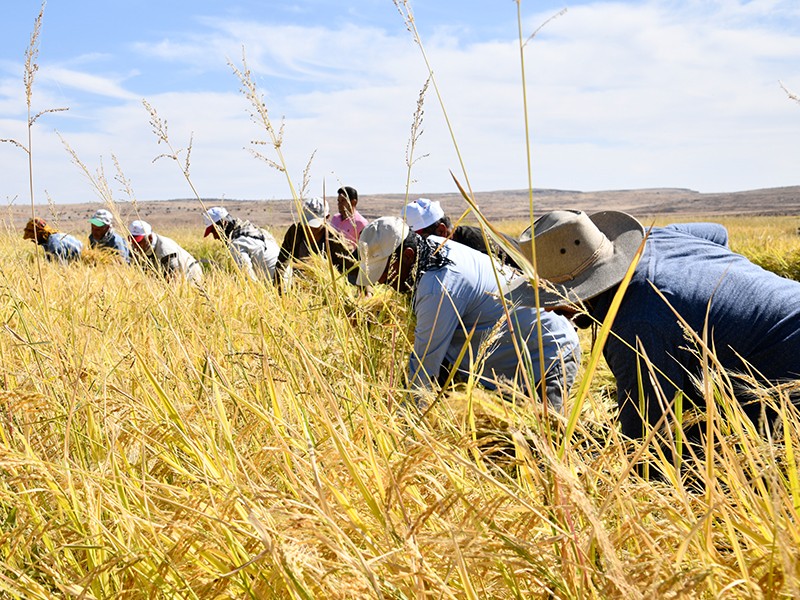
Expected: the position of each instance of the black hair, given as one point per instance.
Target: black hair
(431, 229)
(429, 256)
(348, 192)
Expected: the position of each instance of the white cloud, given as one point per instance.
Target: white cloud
(663, 87)
(678, 94)
(85, 82)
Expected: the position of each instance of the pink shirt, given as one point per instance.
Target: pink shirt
(351, 228)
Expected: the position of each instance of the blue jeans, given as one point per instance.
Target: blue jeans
(558, 381)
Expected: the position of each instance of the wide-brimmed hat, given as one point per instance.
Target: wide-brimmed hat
(377, 243)
(101, 218)
(422, 213)
(214, 215)
(581, 256)
(315, 211)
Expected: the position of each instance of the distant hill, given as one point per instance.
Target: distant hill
(497, 205)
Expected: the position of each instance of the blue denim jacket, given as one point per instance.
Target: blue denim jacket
(113, 241)
(752, 317)
(62, 247)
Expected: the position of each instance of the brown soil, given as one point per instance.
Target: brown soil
(497, 206)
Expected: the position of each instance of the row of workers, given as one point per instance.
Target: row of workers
(253, 248)
(688, 288)
(439, 335)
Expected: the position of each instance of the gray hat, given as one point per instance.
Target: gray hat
(101, 218)
(581, 256)
(315, 211)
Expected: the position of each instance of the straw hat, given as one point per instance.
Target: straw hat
(581, 256)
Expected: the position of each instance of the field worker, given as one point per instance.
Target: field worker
(312, 235)
(103, 235)
(427, 218)
(163, 254)
(455, 298)
(349, 222)
(752, 316)
(253, 249)
(60, 247)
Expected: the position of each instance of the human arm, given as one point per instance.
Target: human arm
(122, 247)
(288, 246)
(437, 320)
(170, 265)
(644, 357)
(242, 258)
(713, 232)
(287, 250)
(340, 253)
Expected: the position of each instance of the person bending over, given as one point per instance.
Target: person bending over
(456, 302)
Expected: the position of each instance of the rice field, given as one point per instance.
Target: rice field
(228, 441)
(231, 442)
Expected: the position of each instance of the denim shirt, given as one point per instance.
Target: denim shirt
(113, 241)
(461, 299)
(62, 247)
(750, 314)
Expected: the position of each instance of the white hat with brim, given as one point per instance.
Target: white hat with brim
(101, 218)
(377, 243)
(579, 256)
(139, 230)
(214, 215)
(422, 213)
(315, 211)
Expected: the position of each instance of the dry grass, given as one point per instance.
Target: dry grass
(230, 442)
(237, 443)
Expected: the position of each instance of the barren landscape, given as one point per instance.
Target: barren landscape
(497, 205)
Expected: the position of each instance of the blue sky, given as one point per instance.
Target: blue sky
(661, 93)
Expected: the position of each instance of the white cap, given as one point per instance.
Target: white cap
(140, 229)
(215, 214)
(422, 213)
(101, 218)
(377, 243)
(315, 210)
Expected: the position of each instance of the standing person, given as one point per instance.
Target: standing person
(254, 249)
(751, 316)
(103, 235)
(312, 235)
(163, 254)
(60, 247)
(428, 218)
(349, 222)
(455, 300)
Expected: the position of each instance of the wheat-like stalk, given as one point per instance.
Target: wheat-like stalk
(416, 134)
(160, 440)
(792, 96)
(259, 113)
